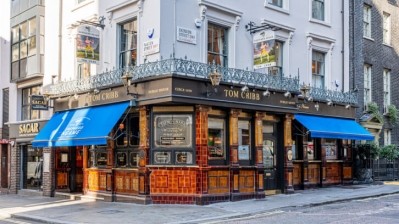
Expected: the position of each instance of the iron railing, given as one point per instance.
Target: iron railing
(187, 68)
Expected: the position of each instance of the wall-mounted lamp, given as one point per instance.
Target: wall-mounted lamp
(266, 93)
(348, 106)
(244, 88)
(329, 102)
(287, 94)
(76, 96)
(96, 91)
(316, 106)
(215, 77)
(126, 80)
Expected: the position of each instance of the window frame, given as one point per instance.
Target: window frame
(366, 21)
(26, 104)
(387, 137)
(122, 42)
(386, 89)
(386, 28)
(318, 75)
(322, 16)
(223, 139)
(224, 55)
(251, 148)
(367, 87)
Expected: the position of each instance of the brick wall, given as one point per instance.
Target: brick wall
(15, 169)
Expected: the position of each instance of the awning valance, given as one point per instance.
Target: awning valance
(85, 126)
(338, 128)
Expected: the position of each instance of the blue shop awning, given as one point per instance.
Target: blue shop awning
(338, 128)
(86, 126)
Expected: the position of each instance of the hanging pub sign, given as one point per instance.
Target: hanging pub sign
(38, 102)
(88, 44)
(264, 49)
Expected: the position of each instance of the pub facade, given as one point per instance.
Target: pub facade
(162, 128)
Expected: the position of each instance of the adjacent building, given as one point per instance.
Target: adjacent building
(184, 101)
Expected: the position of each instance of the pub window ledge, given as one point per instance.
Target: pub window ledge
(126, 168)
(334, 161)
(180, 166)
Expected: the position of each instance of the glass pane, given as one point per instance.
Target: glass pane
(244, 140)
(35, 114)
(120, 133)
(25, 96)
(216, 139)
(134, 132)
(24, 30)
(129, 36)
(134, 159)
(34, 168)
(15, 52)
(23, 68)
(25, 113)
(32, 45)
(101, 158)
(173, 131)
(15, 70)
(32, 27)
(121, 159)
(268, 153)
(24, 48)
(278, 3)
(15, 34)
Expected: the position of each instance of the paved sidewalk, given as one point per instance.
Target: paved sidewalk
(55, 210)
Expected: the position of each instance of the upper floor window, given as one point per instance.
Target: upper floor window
(387, 89)
(367, 21)
(387, 28)
(128, 44)
(80, 1)
(387, 137)
(27, 112)
(318, 9)
(23, 45)
(217, 45)
(318, 69)
(367, 84)
(278, 3)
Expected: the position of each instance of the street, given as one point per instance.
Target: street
(372, 210)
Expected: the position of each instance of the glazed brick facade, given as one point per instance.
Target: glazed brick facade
(372, 51)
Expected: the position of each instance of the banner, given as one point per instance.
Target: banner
(264, 50)
(88, 44)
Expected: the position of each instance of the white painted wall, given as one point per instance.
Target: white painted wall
(165, 15)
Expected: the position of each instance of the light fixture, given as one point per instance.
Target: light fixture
(287, 94)
(348, 106)
(266, 93)
(317, 106)
(244, 88)
(215, 77)
(76, 96)
(329, 102)
(310, 99)
(126, 80)
(96, 91)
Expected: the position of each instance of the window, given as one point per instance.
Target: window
(387, 89)
(278, 3)
(367, 84)
(172, 139)
(318, 9)
(128, 44)
(80, 1)
(23, 46)
(98, 157)
(217, 45)
(318, 69)
(216, 138)
(330, 147)
(367, 21)
(27, 112)
(387, 28)
(84, 70)
(387, 137)
(244, 140)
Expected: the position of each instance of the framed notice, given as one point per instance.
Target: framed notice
(173, 131)
(243, 152)
(183, 158)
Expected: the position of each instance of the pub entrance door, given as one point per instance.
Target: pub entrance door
(271, 158)
(69, 172)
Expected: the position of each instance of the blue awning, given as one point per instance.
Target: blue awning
(86, 126)
(338, 128)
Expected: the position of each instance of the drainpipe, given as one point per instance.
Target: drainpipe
(60, 39)
(343, 45)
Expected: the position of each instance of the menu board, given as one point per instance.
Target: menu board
(173, 131)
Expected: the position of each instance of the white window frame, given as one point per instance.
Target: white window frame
(367, 84)
(322, 73)
(285, 7)
(386, 32)
(366, 21)
(387, 137)
(327, 13)
(387, 89)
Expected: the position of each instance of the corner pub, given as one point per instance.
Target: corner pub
(173, 137)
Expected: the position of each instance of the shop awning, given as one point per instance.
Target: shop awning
(338, 128)
(86, 126)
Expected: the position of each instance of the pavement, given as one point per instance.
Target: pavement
(56, 210)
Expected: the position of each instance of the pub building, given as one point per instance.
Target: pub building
(175, 137)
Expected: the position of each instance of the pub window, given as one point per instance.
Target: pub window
(101, 159)
(172, 139)
(133, 159)
(330, 146)
(120, 133)
(244, 140)
(27, 112)
(121, 159)
(128, 44)
(217, 45)
(98, 156)
(134, 130)
(216, 138)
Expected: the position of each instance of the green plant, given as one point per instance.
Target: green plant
(389, 152)
(392, 114)
(373, 109)
(371, 150)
